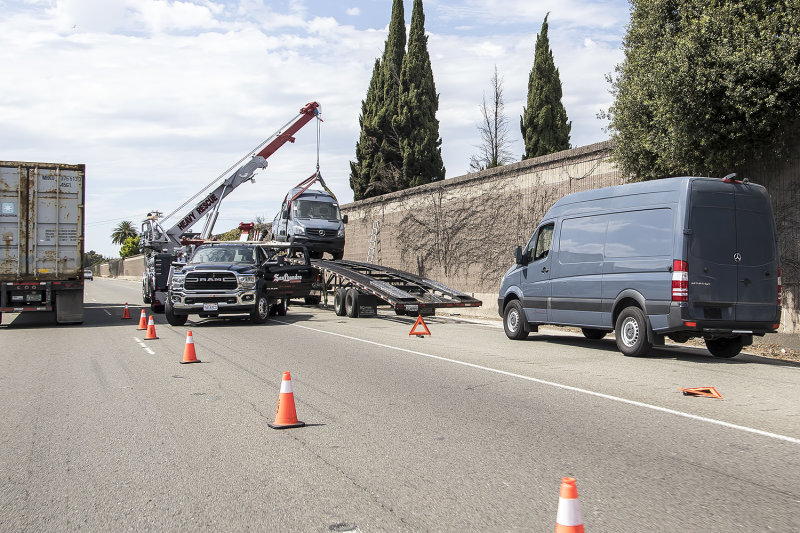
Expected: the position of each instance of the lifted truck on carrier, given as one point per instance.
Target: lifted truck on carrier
(252, 278)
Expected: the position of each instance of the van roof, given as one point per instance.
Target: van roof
(312, 193)
(666, 185)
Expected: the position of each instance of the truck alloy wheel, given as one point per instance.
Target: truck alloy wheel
(260, 312)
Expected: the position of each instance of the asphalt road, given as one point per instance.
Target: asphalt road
(464, 430)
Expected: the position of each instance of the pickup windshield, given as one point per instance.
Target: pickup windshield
(224, 254)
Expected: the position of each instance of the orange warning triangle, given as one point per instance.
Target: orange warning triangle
(711, 392)
(420, 322)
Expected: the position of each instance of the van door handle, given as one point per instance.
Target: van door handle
(545, 270)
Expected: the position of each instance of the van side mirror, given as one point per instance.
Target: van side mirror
(285, 214)
(518, 256)
(344, 219)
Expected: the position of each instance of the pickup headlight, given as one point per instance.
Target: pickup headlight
(177, 281)
(248, 281)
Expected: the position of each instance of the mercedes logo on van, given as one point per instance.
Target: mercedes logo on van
(737, 257)
(322, 233)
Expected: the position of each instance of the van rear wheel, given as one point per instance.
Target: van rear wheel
(631, 332)
(593, 334)
(726, 348)
(514, 321)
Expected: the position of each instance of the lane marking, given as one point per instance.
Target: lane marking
(107, 312)
(561, 386)
(145, 347)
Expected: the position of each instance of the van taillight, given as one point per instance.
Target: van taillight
(680, 281)
(780, 289)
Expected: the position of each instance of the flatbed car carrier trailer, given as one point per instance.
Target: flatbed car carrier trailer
(358, 288)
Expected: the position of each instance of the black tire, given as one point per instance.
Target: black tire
(146, 298)
(172, 318)
(338, 301)
(514, 321)
(351, 303)
(156, 308)
(312, 300)
(631, 332)
(260, 312)
(337, 255)
(280, 307)
(593, 334)
(725, 348)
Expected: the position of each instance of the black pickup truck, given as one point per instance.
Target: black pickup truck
(250, 278)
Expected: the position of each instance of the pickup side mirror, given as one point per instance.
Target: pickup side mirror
(519, 257)
(285, 214)
(344, 219)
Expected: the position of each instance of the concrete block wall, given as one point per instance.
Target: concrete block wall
(462, 231)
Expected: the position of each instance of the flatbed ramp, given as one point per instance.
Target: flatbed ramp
(359, 287)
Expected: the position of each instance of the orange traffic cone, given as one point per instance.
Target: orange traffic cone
(285, 415)
(126, 313)
(569, 519)
(151, 330)
(188, 350)
(143, 320)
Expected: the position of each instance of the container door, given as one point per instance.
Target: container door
(55, 195)
(12, 209)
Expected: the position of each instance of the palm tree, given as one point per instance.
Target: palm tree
(123, 232)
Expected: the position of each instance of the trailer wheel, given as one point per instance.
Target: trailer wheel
(514, 322)
(338, 301)
(260, 312)
(631, 332)
(351, 303)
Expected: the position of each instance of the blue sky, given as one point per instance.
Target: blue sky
(159, 97)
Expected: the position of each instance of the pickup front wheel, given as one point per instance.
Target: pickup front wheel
(172, 318)
(260, 312)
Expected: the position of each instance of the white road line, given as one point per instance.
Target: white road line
(148, 350)
(142, 345)
(562, 386)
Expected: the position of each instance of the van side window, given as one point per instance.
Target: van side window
(543, 240)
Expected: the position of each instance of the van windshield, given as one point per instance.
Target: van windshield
(315, 210)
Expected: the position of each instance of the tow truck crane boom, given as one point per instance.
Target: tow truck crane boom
(156, 241)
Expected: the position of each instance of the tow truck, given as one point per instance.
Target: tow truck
(161, 247)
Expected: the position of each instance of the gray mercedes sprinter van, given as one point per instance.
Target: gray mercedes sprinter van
(678, 257)
(312, 219)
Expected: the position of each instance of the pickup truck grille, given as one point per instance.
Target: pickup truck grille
(210, 281)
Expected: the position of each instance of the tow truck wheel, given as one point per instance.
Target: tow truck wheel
(260, 312)
(279, 308)
(338, 301)
(145, 294)
(172, 318)
(351, 303)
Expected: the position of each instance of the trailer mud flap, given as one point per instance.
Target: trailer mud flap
(69, 307)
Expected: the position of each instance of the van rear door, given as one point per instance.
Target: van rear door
(732, 253)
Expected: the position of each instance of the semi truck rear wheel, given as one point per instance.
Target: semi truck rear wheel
(351, 303)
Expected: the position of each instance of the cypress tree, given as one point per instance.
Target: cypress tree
(387, 166)
(367, 145)
(544, 124)
(416, 123)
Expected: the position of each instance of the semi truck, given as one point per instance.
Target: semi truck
(42, 239)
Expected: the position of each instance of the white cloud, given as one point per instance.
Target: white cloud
(353, 11)
(159, 97)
